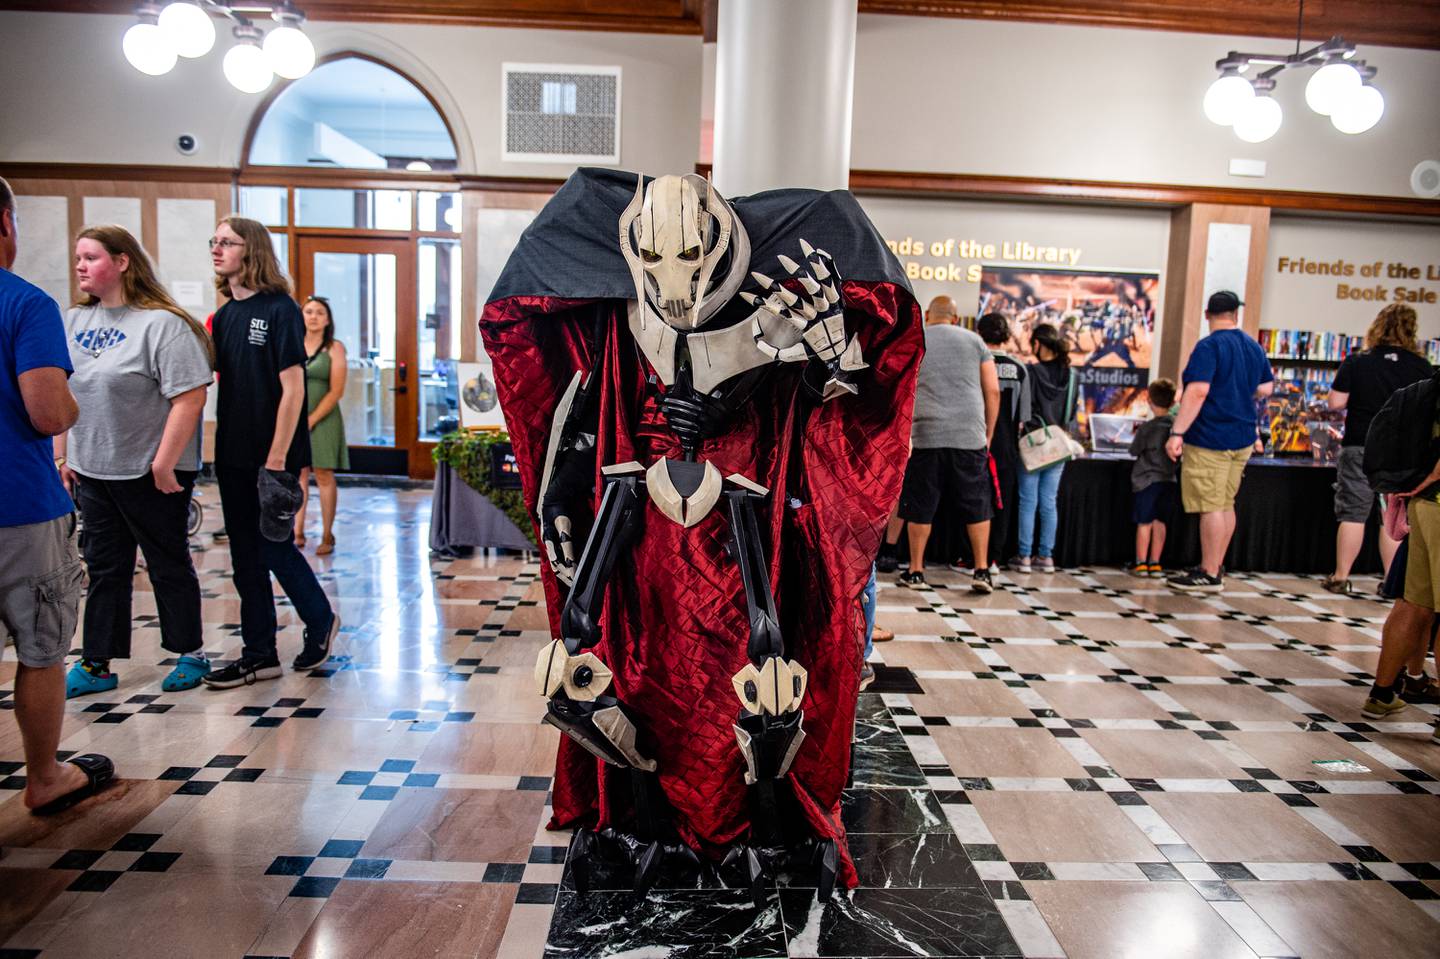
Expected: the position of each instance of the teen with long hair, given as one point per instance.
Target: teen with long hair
(325, 369)
(260, 359)
(142, 368)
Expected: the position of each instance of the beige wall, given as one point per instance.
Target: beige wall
(1296, 300)
(82, 103)
(1015, 99)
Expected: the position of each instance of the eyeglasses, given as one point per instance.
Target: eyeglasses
(318, 299)
(225, 244)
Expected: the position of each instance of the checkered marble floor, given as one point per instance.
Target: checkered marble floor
(1083, 764)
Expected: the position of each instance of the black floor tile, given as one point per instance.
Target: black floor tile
(896, 922)
(700, 923)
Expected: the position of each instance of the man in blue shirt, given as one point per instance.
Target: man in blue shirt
(1215, 432)
(41, 575)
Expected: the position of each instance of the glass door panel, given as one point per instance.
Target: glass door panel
(361, 291)
(370, 287)
(438, 337)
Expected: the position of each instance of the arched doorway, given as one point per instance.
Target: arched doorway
(352, 169)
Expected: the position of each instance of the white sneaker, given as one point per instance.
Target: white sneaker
(1020, 564)
(1045, 564)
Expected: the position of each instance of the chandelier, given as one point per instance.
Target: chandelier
(1340, 89)
(186, 28)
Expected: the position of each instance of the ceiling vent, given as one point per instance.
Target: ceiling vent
(561, 114)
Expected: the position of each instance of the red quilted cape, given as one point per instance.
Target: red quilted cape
(674, 622)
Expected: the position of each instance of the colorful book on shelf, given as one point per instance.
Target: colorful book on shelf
(1308, 345)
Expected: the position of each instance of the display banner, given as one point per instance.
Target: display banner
(1107, 320)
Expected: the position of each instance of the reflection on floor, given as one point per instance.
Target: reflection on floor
(1081, 765)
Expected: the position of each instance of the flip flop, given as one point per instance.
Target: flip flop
(79, 681)
(186, 675)
(98, 770)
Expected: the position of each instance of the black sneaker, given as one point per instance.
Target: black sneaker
(867, 676)
(315, 654)
(887, 561)
(1417, 691)
(981, 583)
(1196, 581)
(915, 579)
(243, 672)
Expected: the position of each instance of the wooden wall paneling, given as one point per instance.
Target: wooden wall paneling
(1185, 291)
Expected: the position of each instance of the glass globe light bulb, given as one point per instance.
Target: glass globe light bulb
(148, 50)
(1226, 97)
(189, 29)
(1359, 111)
(1331, 86)
(1259, 120)
(246, 68)
(289, 52)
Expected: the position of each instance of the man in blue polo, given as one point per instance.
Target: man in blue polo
(40, 571)
(1215, 433)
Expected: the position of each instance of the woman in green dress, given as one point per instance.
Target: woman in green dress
(324, 386)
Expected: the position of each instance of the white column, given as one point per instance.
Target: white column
(784, 85)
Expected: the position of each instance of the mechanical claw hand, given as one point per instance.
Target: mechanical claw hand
(581, 706)
(792, 327)
(556, 530)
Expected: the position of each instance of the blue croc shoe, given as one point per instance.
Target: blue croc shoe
(79, 681)
(186, 675)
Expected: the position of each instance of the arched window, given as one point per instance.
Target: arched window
(353, 113)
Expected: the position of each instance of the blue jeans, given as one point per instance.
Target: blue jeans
(1039, 489)
(868, 602)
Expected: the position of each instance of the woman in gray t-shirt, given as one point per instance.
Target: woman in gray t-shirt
(142, 366)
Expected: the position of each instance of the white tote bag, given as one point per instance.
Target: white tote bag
(1045, 447)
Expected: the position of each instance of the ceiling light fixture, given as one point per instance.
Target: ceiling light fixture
(1340, 89)
(185, 28)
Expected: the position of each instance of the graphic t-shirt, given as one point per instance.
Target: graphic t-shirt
(1014, 409)
(1370, 378)
(129, 365)
(1234, 366)
(32, 336)
(949, 404)
(255, 339)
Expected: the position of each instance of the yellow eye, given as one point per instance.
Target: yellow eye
(650, 256)
(690, 255)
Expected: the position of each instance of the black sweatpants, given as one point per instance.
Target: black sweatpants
(253, 558)
(120, 515)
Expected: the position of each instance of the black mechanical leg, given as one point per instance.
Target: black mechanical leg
(768, 729)
(582, 707)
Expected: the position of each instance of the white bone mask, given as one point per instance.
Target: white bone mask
(674, 234)
(670, 246)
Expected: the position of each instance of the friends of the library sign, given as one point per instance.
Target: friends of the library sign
(1408, 291)
(1006, 251)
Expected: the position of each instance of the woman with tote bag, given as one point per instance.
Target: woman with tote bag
(1045, 447)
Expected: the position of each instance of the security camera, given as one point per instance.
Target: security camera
(187, 144)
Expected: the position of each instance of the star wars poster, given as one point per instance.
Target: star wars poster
(1106, 319)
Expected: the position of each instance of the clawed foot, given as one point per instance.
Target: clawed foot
(758, 867)
(594, 854)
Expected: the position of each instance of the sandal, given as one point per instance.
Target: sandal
(187, 674)
(79, 681)
(98, 770)
(326, 547)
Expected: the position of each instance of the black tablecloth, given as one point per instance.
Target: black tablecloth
(460, 517)
(1284, 521)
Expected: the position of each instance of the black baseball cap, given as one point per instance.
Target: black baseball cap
(1223, 301)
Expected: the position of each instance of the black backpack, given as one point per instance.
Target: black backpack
(1400, 448)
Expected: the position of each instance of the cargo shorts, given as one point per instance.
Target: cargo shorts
(40, 585)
